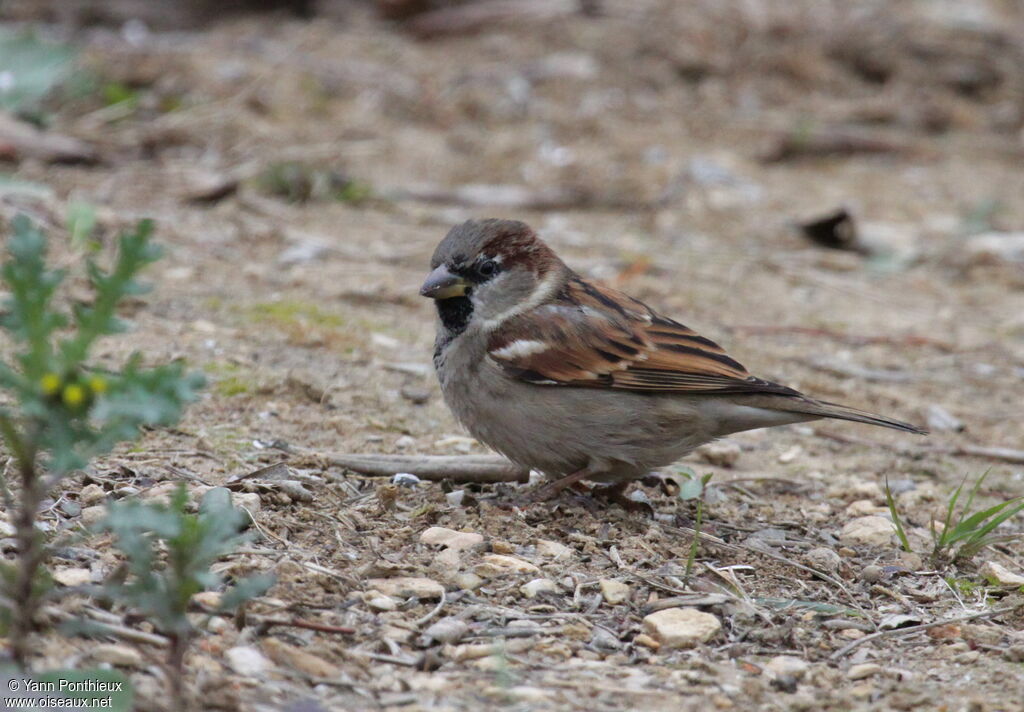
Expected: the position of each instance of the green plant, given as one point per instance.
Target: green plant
(58, 410)
(30, 69)
(963, 535)
(694, 487)
(168, 554)
(897, 521)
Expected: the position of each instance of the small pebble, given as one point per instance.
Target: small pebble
(405, 479)
(823, 559)
(534, 588)
(863, 670)
(614, 592)
(682, 627)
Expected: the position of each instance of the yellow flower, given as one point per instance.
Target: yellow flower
(74, 396)
(97, 384)
(50, 383)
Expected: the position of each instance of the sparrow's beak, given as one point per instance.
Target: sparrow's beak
(442, 284)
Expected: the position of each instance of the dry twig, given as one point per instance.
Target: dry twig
(457, 468)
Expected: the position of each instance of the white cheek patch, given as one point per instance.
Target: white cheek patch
(520, 348)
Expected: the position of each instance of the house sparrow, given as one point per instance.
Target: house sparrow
(580, 381)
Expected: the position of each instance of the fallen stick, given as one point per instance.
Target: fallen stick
(827, 142)
(460, 468)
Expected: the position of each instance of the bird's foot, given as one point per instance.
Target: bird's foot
(550, 490)
(616, 494)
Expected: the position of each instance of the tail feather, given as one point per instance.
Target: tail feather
(825, 409)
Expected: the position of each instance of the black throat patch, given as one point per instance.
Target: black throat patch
(455, 314)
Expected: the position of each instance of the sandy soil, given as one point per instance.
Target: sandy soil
(652, 122)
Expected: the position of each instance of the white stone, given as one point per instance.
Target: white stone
(92, 515)
(72, 576)
(246, 500)
(867, 531)
(450, 538)
(494, 565)
(682, 627)
(447, 630)
(91, 494)
(248, 660)
(406, 586)
(790, 665)
(380, 602)
(534, 588)
(553, 549)
(863, 670)
(468, 581)
(1000, 575)
(115, 654)
(614, 592)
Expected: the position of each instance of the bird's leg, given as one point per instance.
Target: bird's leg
(616, 494)
(549, 490)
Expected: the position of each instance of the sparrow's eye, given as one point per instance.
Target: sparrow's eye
(487, 269)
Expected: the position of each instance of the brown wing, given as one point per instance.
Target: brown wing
(598, 337)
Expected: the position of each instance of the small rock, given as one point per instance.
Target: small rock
(863, 670)
(405, 442)
(72, 576)
(91, 516)
(614, 592)
(248, 660)
(867, 531)
(494, 565)
(91, 494)
(115, 654)
(968, 658)
(871, 574)
(864, 489)
(447, 630)
(249, 501)
(299, 659)
(941, 420)
(381, 602)
(419, 396)
(467, 581)
(534, 588)
(787, 665)
(646, 641)
(682, 627)
(602, 639)
(455, 497)
(405, 479)
(823, 559)
(499, 546)
(999, 575)
(448, 560)
(791, 454)
(208, 599)
(406, 586)
(553, 549)
(863, 507)
(451, 539)
(852, 633)
(723, 453)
